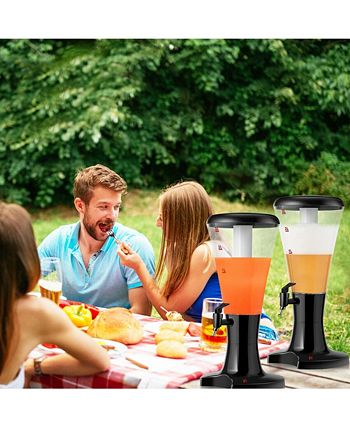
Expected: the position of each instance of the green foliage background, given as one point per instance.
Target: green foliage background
(250, 119)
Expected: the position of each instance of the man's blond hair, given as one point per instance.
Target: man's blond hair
(86, 180)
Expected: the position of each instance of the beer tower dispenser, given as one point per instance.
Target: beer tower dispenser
(242, 245)
(308, 227)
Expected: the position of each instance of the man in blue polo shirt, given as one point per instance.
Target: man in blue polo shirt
(92, 272)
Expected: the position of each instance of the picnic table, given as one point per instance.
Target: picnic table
(140, 367)
(157, 372)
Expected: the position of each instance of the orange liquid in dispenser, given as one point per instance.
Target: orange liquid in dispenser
(242, 283)
(309, 272)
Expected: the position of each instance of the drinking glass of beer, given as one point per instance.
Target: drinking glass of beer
(208, 342)
(50, 282)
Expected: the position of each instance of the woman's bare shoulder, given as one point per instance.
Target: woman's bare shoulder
(202, 258)
(202, 250)
(35, 309)
(38, 316)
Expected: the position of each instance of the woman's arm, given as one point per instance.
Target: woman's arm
(202, 266)
(85, 357)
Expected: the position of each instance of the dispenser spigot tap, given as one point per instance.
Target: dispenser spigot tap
(285, 299)
(217, 318)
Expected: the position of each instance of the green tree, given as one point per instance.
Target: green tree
(247, 118)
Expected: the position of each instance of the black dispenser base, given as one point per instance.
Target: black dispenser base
(308, 348)
(222, 380)
(303, 360)
(242, 368)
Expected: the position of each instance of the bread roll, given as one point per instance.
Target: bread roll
(171, 349)
(178, 326)
(169, 335)
(117, 324)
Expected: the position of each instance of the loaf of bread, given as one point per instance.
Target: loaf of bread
(171, 349)
(169, 335)
(117, 324)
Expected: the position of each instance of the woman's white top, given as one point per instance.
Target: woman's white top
(18, 382)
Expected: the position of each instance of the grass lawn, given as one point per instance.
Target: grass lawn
(140, 210)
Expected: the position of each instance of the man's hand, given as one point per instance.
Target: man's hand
(139, 302)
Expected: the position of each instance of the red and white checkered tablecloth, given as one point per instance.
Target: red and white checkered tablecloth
(162, 372)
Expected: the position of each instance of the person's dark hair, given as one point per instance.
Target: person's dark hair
(98, 175)
(19, 268)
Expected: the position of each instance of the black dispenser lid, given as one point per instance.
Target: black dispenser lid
(257, 220)
(294, 203)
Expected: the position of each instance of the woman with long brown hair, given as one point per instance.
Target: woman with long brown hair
(184, 254)
(191, 273)
(26, 321)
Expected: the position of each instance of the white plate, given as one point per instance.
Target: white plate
(118, 348)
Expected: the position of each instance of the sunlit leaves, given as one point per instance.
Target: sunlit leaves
(249, 118)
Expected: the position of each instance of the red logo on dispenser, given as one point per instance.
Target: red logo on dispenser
(286, 229)
(245, 380)
(310, 357)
